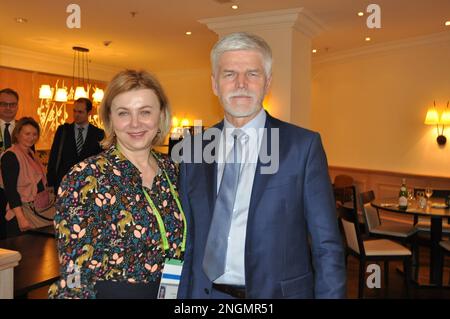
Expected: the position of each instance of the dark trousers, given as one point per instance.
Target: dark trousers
(2, 214)
(7, 228)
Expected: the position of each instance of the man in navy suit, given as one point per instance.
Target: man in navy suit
(268, 231)
(73, 143)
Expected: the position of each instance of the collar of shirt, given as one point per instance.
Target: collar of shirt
(85, 126)
(2, 124)
(83, 132)
(254, 130)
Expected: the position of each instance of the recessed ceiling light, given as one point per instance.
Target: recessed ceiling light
(360, 14)
(447, 23)
(234, 7)
(314, 51)
(21, 20)
(368, 39)
(188, 33)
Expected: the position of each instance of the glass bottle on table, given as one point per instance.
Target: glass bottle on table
(403, 196)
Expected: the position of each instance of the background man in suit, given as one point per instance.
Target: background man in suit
(9, 105)
(73, 143)
(256, 235)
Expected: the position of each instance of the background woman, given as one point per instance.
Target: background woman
(23, 179)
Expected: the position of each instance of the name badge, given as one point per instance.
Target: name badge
(170, 279)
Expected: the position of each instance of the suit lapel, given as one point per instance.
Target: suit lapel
(211, 179)
(260, 180)
(71, 139)
(211, 171)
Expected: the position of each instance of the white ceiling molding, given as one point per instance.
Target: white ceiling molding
(42, 62)
(383, 47)
(299, 19)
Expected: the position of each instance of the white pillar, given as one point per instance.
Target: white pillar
(289, 34)
(8, 260)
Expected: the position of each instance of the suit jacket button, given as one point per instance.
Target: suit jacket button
(207, 291)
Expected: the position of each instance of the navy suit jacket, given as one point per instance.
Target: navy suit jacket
(293, 247)
(69, 155)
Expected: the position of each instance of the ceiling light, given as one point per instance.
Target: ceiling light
(314, 51)
(21, 20)
(188, 33)
(234, 7)
(360, 14)
(368, 39)
(447, 23)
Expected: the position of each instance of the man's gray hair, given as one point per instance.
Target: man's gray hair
(242, 41)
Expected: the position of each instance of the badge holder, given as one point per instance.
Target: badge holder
(170, 279)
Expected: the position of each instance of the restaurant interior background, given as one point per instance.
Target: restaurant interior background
(365, 90)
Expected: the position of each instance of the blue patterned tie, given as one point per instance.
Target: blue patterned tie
(80, 140)
(217, 243)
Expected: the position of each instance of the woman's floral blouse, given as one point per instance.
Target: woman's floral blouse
(105, 228)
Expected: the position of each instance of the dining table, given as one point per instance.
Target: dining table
(436, 210)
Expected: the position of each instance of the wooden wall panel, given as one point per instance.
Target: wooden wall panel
(387, 184)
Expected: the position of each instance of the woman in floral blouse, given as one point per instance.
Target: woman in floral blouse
(109, 238)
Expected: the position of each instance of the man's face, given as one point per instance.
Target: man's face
(240, 83)
(80, 115)
(8, 107)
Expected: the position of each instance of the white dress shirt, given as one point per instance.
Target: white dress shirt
(251, 143)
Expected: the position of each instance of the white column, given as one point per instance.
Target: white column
(289, 34)
(8, 260)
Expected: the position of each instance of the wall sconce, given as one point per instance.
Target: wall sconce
(433, 118)
(178, 127)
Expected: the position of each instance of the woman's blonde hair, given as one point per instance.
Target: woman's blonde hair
(130, 80)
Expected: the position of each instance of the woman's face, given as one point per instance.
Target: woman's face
(27, 136)
(135, 117)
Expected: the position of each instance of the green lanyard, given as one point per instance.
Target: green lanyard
(161, 226)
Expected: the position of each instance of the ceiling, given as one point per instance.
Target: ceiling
(155, 37)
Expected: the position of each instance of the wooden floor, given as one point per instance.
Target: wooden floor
(395, 290)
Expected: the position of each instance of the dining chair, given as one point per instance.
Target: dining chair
(343, 180)
(345, 195)
(445, 249)
(377, 250)
(378, 228)
(423, 224)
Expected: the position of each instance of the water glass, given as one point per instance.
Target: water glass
(421, 200)
(428, 192)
